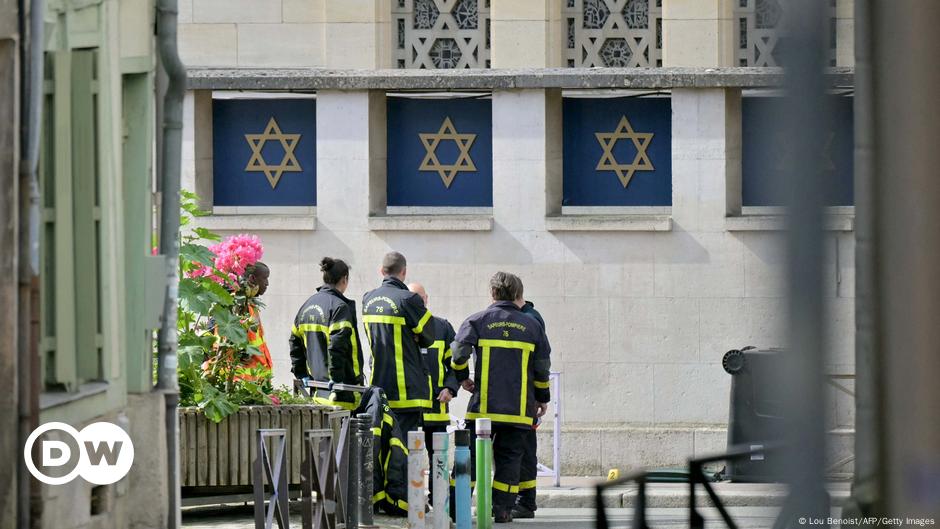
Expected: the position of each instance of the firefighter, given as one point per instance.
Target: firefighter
(443, 382)
(510, 384)
(529, 469)
(398, 325)
(324, 342)
(437, 359)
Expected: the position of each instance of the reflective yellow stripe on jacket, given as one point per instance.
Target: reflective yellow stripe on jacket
(443, 354)
(397, 322)
(302, 330)
(526, 349)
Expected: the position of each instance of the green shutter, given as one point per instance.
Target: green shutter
(70, 248)
(87, 216)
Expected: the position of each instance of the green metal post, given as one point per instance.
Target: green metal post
(484, 467)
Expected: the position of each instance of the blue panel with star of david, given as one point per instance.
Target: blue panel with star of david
(765, 153)
(586, 184)
(417, 127)
(239, 178)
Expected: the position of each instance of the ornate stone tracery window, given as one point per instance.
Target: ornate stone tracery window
(761, 37)
(441, 33)
(613, 33)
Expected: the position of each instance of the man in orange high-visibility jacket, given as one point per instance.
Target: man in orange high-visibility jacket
(258, 275)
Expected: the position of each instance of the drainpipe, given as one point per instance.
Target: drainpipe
(864, 485)
(28, 250)
(169, 163)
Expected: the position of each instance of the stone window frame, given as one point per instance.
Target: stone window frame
(237, 218)
(424, 218)
(598, 218)
(741, 218)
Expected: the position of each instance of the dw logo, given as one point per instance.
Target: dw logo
(102, 453)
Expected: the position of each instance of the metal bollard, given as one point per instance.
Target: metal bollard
(441, 480)
(416, 498)
(462, 490)
(366, 468)
(484, 464)
(353, 476)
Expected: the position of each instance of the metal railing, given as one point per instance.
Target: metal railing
(555, 470)
(276, 473)
(336, 469)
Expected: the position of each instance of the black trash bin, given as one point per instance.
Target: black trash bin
(755, 418)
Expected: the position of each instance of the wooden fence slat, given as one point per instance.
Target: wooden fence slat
(191, 419)
(184, 468)
(244, 447)
(202, 453)
(295, 439)
(233, 428)
(221, 455)
(212, 453)
(253, 421)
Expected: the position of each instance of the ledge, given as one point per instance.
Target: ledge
(778, 223)
(258, 222)
(431, 223)
(609, 223)
(50, 399)
(308, 79)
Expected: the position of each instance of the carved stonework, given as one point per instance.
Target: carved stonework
(441, 33)
(613, 33)
(761, 35)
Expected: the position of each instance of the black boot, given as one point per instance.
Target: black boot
(521, 511)
(502, 514)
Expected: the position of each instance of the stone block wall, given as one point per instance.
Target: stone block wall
(639, 309)
(359, 33)
(638, 320)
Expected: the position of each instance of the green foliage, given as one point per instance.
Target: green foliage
(213, 318)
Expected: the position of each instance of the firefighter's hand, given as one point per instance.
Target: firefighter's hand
(444, 395)
(541, 408)
(468, 385)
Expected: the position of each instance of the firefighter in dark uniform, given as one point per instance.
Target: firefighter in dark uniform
(324, 342)
(397, 325)
(444, 384)
(510, 385)
(529, 470)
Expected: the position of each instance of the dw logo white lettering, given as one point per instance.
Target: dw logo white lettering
(101, 453)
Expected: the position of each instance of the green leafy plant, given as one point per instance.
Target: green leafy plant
(214, 322)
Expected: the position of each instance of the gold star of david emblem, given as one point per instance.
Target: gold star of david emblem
(641, 140)
(447, 171)
(257, 163)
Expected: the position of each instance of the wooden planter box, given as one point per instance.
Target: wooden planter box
(217, 458)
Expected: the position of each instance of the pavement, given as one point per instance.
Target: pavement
(576, 491)
(546, 518)
(571, 506)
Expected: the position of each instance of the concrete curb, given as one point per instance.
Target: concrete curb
(674, 495)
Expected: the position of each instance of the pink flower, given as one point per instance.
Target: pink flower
(236, 253)
(232, 257)
(275, 400)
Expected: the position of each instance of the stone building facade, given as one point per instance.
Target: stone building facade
(640, 302)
